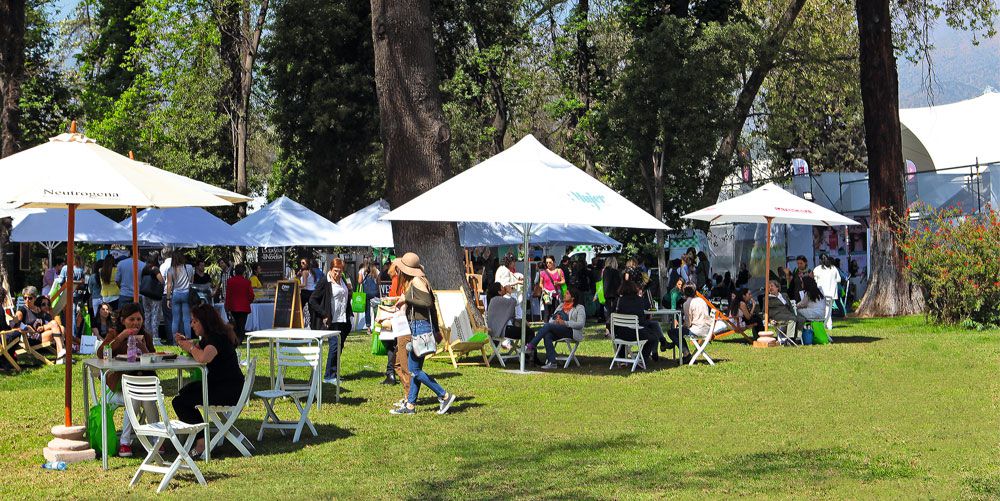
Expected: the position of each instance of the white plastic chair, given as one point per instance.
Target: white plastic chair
(223, 417)
(630, 350)
(701, 342)
(572, 345)
(147, 389)
(302, 395)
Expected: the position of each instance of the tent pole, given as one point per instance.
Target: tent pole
(135, 257)
(68, 321)
(766, 339)
(525, 303)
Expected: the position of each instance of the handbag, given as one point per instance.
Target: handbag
(94, 429)
(599, 288)
(358, 301)
(150, 287)
(378, 348)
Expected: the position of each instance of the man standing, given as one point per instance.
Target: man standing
(126, 282)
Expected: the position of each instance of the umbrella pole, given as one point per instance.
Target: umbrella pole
(525, 294)
(68, 323)
(766, 339)
(135, 256)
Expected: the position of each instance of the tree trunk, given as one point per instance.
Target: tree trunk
(888, 291)
(661, 251)
(722, 161)
(583, 62)
(415, 135)
(239, 43)
(12, 28)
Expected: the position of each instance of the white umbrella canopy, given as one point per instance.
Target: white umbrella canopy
(73, 169)
(364, 228)
(49, 225)
(570, 234)
(185, 227)
(537, 187)
(770, 203)
(287, 223)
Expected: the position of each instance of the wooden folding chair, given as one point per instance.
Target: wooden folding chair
(13, 348)
(720, 316)
(456, 319)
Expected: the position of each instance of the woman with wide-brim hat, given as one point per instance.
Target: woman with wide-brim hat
(418, 298)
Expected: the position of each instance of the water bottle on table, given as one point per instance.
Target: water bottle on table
(133, 350)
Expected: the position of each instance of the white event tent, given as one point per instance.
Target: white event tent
(952, 135)
(185, 227)
(287, 223)
(48, 227)
(365, 228)
(768, 205)
(539, 187)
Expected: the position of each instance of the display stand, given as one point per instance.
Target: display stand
(455, 318)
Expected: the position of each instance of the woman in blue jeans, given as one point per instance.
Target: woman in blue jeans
(177, 288)
(418, 299)
(567, 321)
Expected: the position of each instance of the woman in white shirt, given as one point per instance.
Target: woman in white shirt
(812, 304)
(177, 287)
(330, 304)
(828, 279)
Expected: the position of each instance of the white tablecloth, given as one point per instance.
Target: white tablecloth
(261, 315)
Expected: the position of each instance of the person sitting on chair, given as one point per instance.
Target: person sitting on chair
(500, 316)
(567, 322)
(746, 311)
(779, 308)
(632, 302)
(813, 304)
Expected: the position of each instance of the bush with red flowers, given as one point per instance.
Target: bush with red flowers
(955, 258)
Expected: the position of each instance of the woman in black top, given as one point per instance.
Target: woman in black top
(612, 285)
(632, 303)
(217, 349)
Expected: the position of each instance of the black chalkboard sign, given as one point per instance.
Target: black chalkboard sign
(272, 264)
(287, 305)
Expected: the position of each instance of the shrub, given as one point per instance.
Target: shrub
(953, 257)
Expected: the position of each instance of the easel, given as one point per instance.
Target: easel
(475, 282)
(288, 304)
(456, 347)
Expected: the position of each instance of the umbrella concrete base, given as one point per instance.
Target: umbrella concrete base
(765, 339)
(69, 445)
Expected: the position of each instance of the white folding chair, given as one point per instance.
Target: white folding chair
(302, 395)
(572, 345)
(781, 330)
(223, 417)
(500, 354)
(630, 350)
(701, 343)
(147, 389)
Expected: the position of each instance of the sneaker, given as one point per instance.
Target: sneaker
(125, 451)
(403, 410)
(331, 380)
(529, 348)
(445, 403)
(506, 344)
(549, 366)
(399, 403)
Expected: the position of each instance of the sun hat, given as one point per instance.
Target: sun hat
(409, 264)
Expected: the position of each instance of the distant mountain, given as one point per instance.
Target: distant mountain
(961, 70)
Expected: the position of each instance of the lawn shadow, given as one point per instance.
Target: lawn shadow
(275, 443)
(855, 339)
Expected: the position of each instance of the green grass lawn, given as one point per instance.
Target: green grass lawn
(894, 408)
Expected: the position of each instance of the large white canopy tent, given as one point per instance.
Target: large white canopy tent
(185, 227)
(287, 223)
(72, 171)
(952, 135)
(539, 187)
(769, 204)
(366, 228)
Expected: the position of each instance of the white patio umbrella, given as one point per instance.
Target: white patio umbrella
(287, 223)
(72, 171)
(537, 187)
(185, 227)
(770, 204)
(45, 227)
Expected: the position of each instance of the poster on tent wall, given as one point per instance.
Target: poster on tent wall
(272, 264)
(749, 247)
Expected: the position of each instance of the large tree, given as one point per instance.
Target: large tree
(415, 135)
(325, 112)
(12, 28)
(889, 293)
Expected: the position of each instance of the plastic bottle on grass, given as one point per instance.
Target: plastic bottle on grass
(55, 465)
